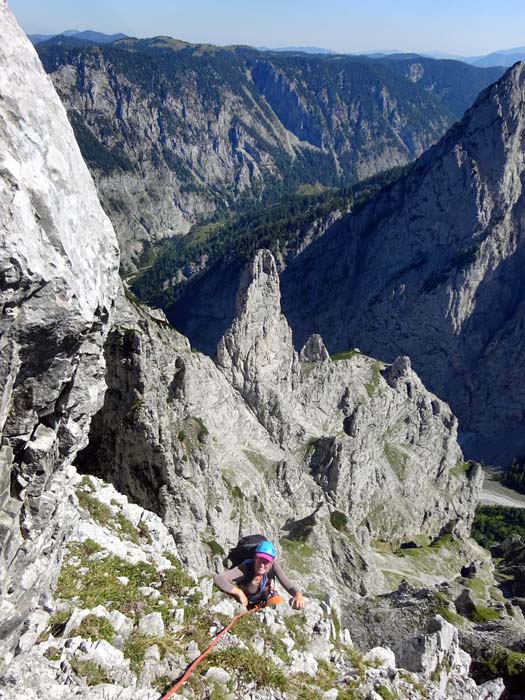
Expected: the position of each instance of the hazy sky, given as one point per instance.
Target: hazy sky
(465, 27)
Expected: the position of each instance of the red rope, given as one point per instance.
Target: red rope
(205, 653)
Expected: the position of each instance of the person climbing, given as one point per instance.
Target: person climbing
(251, 580)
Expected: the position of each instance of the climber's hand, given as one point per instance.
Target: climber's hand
(240, 595)
(297, 601)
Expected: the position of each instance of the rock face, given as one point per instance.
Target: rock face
(432, 268)
(58, 266)
(174, 132)
(321, 455)
(353, 413)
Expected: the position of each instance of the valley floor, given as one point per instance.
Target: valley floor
(495, 493)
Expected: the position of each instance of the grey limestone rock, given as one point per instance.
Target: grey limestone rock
(432, 268)
(152, 625)
(103, 654)
(58, 267)
(425, 653)
(216, 674)
(381, 657)
(314, 350)
(384, 415)
(263, 441)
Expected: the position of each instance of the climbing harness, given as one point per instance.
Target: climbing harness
(274, 600)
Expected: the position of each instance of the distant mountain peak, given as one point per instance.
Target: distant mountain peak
(85, 35)
(504, 98)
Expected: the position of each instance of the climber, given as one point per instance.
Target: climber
(251, 581)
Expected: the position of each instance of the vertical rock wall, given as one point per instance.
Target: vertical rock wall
(58, 278)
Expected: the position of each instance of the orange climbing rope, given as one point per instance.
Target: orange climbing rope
(274, 600)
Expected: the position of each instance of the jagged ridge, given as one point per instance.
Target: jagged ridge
(432, 268)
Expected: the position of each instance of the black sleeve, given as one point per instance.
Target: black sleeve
(285, 582)
(226, 581)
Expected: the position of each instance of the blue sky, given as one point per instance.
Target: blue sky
(464, 27)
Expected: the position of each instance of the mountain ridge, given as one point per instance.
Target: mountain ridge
(484, 186)
(140, 112)
(85, 35)
(444, 245)
(350, 465)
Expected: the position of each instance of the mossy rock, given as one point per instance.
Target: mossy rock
(482, 614)
(338, 520)
(504, 663)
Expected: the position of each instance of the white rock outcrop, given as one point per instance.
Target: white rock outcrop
(58, 281)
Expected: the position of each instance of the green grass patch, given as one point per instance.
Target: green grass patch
(350, 691)
(52, 653)
(99, 585)
(216, 548)
(100, 512)
(338, 520)
(301, 686)
(57, 622)
(309, 189)
(385, 692)
(356, 659)
(86, 483)
(92, 673)
(381, 546)
(257, 460)
(88, 547)
(249, 627)
(198, 628)
(347, 355)
(445, 611)
(103, 515)
(373, 384)
(126, 528)
(296, 626)
(310, 447)
(504, 662)
(137, 645)
(476, 585)
(236, 492)
(460, 469)
(247, 665)
(144, 532)
(443, 541)
(397, 459)
(482, 614)
(163, 684)
(95, 628)
(138, 405)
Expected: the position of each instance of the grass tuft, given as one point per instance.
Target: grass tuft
(95, 628)
(338, 520)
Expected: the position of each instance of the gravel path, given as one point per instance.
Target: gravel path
(495, 494)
